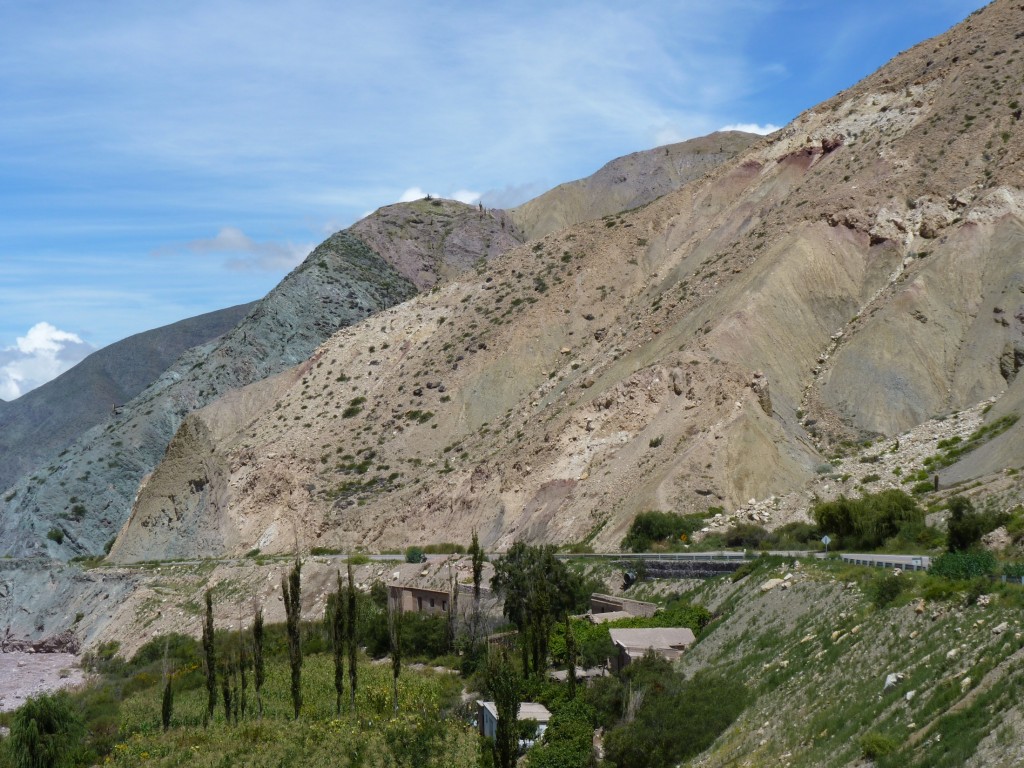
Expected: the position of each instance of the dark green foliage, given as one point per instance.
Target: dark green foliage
(746, 535)
(884, 589)
(504, 685)
(875, 745)
(965, 526)
(663, 530)
(55, 534)
(677, 718)
(44, 731)
(258, 666)
(209, 659)
(291, 587)
(1013, 570)
(414, 555)
(167, 704)
(963, 565)
(867, 522)
(225, 686)
(568, 741)
(337, 632)
(352, 615)
(572, 657)
(395, 614)
(478, 557)
(538, 590)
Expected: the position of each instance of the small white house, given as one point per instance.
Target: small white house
(487, 717)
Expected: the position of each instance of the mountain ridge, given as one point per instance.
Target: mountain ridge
(762, 318)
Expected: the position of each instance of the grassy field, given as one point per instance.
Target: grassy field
(427, 731)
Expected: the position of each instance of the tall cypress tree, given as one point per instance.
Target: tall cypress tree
(259, 671)
(209, 660)
(167, 703)
(570, 651)
(395, 636)
(336, 631)
(504, 684)
(477, 554)
(350, 640)
(292, 589)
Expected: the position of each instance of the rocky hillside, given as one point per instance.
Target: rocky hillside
(628, 182)
(39, 424)
(434, 239)
(849, 277)
(76, 503)
(836, 676)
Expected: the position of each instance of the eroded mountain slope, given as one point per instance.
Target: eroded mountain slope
(628, 182)
(710, 347)
(76, 504)
(42, 422)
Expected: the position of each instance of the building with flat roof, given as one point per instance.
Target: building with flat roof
(417, 599)
(487, 717)
(632, 644)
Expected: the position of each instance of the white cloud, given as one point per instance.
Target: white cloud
(462, 195)
(249, 254)
(752, 128)
(466, 196)
(413, 193)
(40, 355)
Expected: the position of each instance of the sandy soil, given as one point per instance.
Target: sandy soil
(26, 674)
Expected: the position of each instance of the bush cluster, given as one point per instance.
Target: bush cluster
(867, 522)
(664, 530)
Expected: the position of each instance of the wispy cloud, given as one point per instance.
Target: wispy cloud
(42, 354)
(136, 128)
(244, 253)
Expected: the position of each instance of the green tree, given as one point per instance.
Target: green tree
(291, 587)
(505, 686)
(350, 632)
(259, 670)
(868, 521)
(538, 591)
(395, 638)
(44, 732)
(964, 528)
(209, 660)
(167, 704)
(570, 652)
(478, 558)
(336, 632)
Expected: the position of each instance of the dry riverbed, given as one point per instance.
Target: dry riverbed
(28, 674)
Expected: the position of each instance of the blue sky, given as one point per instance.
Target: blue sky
(160, 160)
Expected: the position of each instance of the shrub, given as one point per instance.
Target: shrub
(963, 565)
(44, 732)
(414, 555)
(868, 521)
(885, 589)
(654, 527)
(677, 720)
(963, 528)
(875, 745)
(746, 535)
(55, 534)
